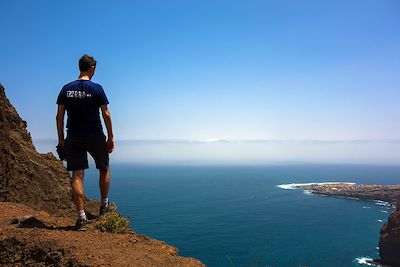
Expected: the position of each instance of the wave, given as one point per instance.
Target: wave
(307, 192)
(353, 198)
(364, 261)
(296, 185)
(382, 203)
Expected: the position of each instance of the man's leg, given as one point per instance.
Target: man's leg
(104, 182)
(77, 192)
(97, 148)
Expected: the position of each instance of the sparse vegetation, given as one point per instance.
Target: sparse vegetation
(112, 222)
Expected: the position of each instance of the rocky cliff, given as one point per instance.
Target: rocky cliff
(37, 212)
(389, 243)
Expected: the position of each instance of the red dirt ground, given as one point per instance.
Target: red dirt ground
(37, 239)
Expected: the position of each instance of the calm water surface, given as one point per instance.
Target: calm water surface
(238, 216)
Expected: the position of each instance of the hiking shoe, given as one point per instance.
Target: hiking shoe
(108, 208)
(80, 225)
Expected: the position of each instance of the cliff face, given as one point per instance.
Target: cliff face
(26, 176)
(389, 243)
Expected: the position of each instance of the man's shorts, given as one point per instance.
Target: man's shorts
(76, 149)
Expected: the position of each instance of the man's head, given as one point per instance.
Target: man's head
(87, 65)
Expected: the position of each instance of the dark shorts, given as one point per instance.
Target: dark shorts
(76, 149)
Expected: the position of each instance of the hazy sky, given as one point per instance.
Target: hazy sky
(232, 70)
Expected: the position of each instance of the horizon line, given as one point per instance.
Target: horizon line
(244, 141)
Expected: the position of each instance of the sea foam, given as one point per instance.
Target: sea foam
(382, 203)
(296, 186)
(364, 261)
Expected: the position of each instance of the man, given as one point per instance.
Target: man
(82, 99)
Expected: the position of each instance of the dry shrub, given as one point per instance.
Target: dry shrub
(112, 222)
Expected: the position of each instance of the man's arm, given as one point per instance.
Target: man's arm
(60, 124)
(107, 120)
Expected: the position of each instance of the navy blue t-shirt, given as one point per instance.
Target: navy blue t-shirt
(82, 100)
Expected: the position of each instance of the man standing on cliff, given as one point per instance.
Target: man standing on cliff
(82, 99)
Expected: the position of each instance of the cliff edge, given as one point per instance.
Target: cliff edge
(35, 238)
(37, 212)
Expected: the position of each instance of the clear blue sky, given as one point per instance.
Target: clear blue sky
(235, 70)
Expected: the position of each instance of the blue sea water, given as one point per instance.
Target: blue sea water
(238, 216)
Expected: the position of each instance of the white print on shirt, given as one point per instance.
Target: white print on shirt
(78, 94)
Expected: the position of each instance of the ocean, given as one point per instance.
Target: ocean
(243, 216)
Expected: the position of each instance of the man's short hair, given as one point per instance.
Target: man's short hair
(86, 62)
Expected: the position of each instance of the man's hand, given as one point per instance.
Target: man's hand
(110, 145)
(61, 151)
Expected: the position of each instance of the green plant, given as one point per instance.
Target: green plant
(114, 223)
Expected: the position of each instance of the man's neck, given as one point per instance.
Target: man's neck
(84, 76)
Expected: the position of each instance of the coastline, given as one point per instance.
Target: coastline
(384, 195)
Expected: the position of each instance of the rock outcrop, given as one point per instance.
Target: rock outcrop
(26, 176)
(389, 243)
